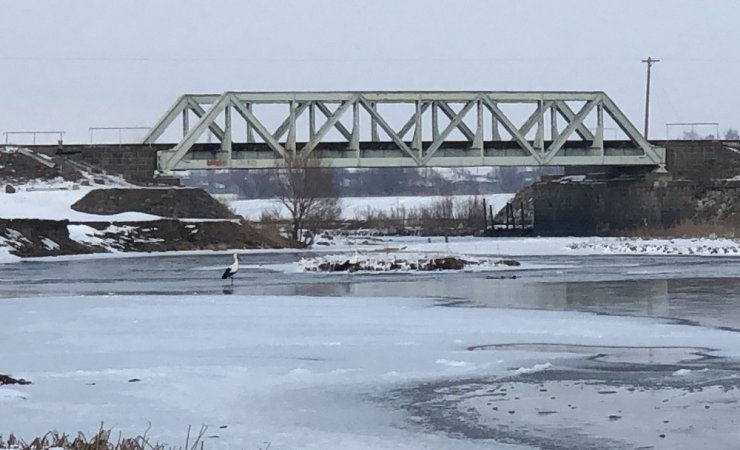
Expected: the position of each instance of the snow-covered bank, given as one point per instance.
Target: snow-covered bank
(480, 246)
(53, 200)
(537, 246)
(294, 371)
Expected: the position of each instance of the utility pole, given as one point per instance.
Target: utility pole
(650, 61)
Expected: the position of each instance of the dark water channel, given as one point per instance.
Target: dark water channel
(702, 289)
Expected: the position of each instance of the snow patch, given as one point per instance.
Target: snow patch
(399, 262)
(87, 235)
(8, 395)
(533, 369)
(630, 246)
(49, 244)
(5, 256)
(451, 363)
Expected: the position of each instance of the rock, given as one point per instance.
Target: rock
(6, 379)
(164, 202)
(98, 181)
(447, 263)
(9, 189)
(509, 262)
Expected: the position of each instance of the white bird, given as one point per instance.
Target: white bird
(232, 269)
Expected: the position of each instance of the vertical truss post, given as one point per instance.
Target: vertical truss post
(250, 130)
(435, 121)
(355, 142)
(553, 122)
(374, 123)
(539, 143)
(478, 140)
(185, 121)
(311, 120)
(226, 141)
(416, 145)
(495, 133)
(598, 142)
(290, 145)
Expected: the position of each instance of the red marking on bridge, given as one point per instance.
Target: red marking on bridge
(216, 163)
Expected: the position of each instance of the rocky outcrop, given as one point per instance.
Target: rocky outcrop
(165, 202)
(33, 237)
(719, 203)
(170, 235)
(37, 237)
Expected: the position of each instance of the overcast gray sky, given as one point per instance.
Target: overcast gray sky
(76, 64)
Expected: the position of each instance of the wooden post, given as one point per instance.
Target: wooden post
(522, 206)
(513, 219)
(485, 216)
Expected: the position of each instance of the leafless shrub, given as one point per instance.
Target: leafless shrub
(270, 215)
(307, 190)
(444, 216)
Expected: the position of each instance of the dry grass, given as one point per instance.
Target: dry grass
(444, 216)
(687, 229)
(102, 440)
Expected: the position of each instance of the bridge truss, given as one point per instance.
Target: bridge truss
(362, 129)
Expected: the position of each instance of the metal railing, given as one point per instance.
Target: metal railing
(120, 131)
(33, 134)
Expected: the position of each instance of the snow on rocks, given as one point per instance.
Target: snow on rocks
(398, 262)
(631, 246)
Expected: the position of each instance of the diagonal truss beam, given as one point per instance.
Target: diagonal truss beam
(387, 128)
(192, 136)
(200, 112)
(166, 120)
(574, 124)
(285, 126)
(328, 125)
(513, 131)
(533, 119)
(411, 123)
(338, 125)
(258, 127)
(568, 114)
(450, 113)
(629, 129)
(454, 123)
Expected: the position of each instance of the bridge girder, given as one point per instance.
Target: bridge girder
(349, 135)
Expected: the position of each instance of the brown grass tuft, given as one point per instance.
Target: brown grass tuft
(101, 440)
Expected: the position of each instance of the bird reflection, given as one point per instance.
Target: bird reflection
(228, 290)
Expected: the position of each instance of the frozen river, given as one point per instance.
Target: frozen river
(567, 351)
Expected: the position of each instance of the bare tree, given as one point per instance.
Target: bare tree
(306, 188)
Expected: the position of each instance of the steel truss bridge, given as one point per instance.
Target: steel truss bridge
(362, 129)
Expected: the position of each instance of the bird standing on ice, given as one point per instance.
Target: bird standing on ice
(232, 269)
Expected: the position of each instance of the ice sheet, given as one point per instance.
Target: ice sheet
(298, 372)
